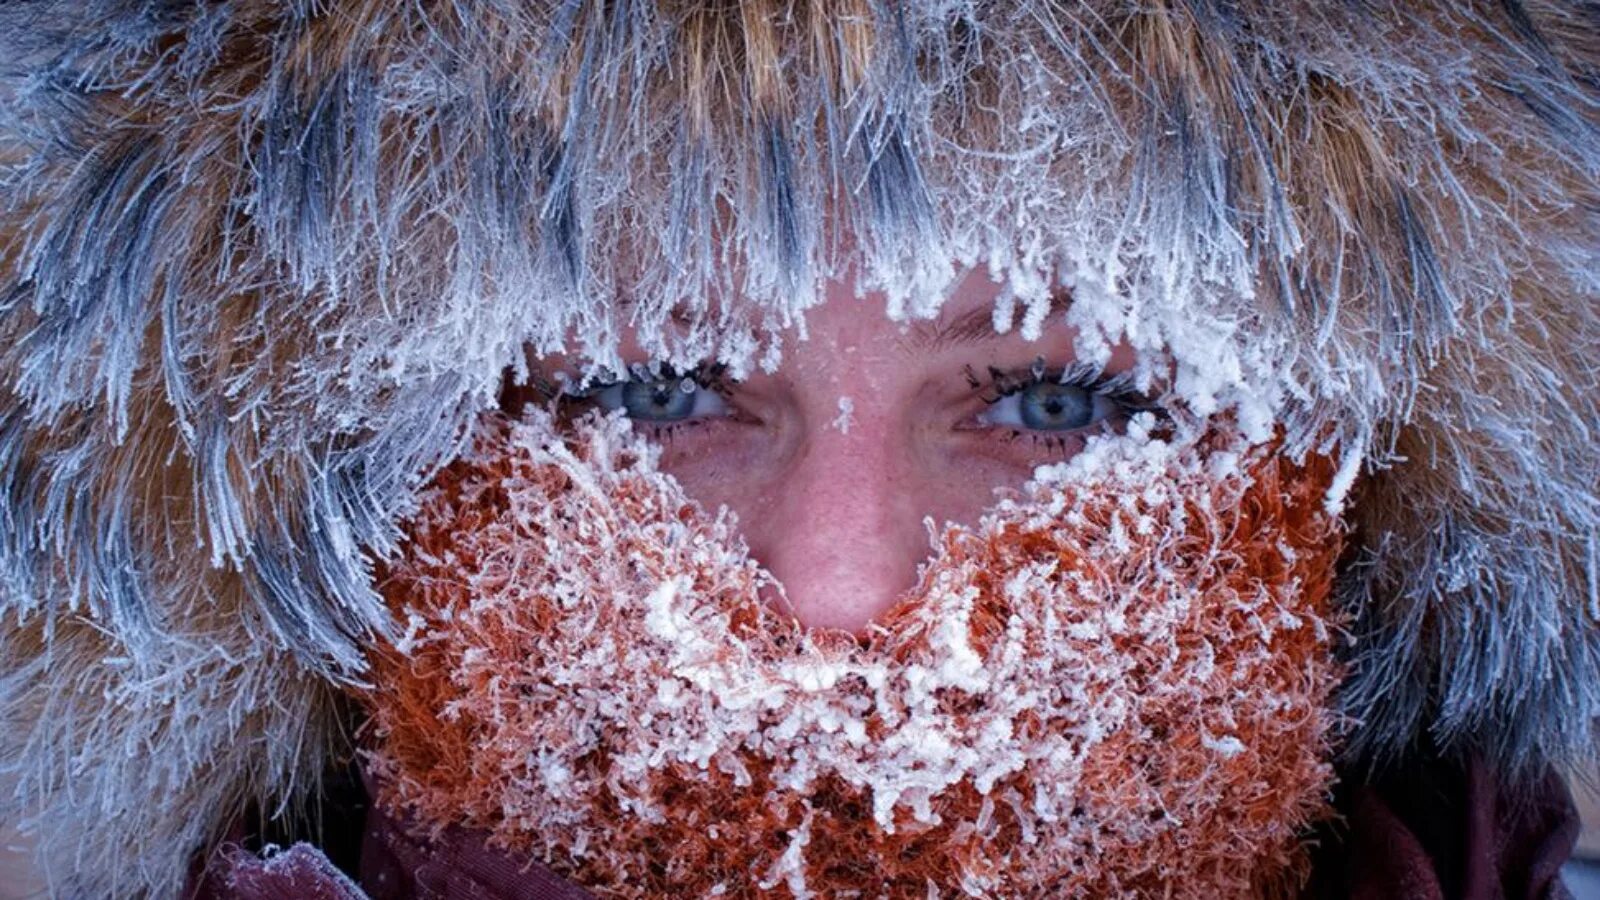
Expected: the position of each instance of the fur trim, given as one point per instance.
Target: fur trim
(263, 262)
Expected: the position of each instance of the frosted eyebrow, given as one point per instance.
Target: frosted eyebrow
(971, 327)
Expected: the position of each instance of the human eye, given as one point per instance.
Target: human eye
(1054, 406)
(659, 397)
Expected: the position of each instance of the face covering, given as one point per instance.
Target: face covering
(1115, 683)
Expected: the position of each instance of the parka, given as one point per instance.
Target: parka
(266, 269)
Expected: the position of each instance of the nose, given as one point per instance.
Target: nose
(841, 531)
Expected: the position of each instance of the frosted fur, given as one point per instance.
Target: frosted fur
(264, 261)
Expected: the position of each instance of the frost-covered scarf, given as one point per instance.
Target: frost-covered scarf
(1117, 682)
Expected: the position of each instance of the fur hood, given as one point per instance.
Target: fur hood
(262, 264)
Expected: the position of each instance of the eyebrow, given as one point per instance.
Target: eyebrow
(970, 327)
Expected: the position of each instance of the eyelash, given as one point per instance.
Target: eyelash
(1044, 440)
(709, 376)
(1005, 382)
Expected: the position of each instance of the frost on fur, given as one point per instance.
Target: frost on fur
(1117, 683)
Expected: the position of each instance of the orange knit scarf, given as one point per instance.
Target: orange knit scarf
(1116, 683)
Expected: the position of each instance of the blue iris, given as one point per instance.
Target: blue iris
(667, 400)
(1048, 406)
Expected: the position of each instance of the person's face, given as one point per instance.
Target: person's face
(869, 426)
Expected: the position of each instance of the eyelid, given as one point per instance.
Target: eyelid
(711, 376)
(1118, 385)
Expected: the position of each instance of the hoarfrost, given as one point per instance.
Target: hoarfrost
(1228, 746)
(846, 415)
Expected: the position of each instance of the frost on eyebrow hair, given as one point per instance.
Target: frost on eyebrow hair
(1119, 678)
(988, 321)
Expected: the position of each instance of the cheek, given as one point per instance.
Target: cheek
(963, 486)
(721, 464)
(963, 473)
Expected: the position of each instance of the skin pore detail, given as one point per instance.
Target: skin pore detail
(943, 415)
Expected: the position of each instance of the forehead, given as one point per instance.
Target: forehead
(974, 308)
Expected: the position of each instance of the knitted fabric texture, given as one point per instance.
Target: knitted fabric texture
(1115, 684)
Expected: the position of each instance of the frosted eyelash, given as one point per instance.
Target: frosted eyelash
(708, 376)
(1051, 441)
(1119, 387)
